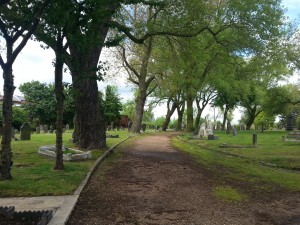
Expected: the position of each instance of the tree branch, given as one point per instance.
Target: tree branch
(127, 63)
(29, 33)
(126, 31)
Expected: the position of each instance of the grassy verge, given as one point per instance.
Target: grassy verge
(33, 175)
(270, 149)
(258, 176)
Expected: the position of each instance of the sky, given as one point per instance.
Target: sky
(35, 63)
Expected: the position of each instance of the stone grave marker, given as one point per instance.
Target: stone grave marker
(37, 129)
(202, 131)
(51, 129)
(45, 128)
(13, 134)
(235, 132)
(67, 127)
(41, 128)
(25, 131)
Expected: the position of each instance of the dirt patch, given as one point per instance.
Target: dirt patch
(155, 184)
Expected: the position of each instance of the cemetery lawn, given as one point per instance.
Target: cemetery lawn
(272, 161)
(33, 175)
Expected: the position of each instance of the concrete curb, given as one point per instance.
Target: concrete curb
(63, 213)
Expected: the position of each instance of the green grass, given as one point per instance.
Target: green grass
(270, 149)
(33, 175)
(228, 193)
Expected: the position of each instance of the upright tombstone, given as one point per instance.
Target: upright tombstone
(42, 128)
(51, 129)
(25, 131)
(254, 139)
(45, 128)
(209, 129)
(75, 134)
(13, 132)
(235, 132)
(202, 131)
(37, 130)
(67, 127)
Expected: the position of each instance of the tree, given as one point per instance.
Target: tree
(40, 101)
(128, 108)
(15, 34)
(112, 104)
(19, 116)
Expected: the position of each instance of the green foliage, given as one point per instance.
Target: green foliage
(41, 103)
(19, 116)
(112, 104)
(129, 109)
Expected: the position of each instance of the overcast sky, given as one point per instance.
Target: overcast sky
(34, 63)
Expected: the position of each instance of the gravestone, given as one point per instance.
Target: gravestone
(144, 127)
(75, 133)
(45, 128)
(202, 131)
(37, 129)
(17, 131)
(41, 128)
(67, 127)
(13, 134)
(51, 129)
(254, 139)
(235, 132)
(209, 129)
(25, 131)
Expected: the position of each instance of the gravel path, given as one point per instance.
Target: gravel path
(155, 184)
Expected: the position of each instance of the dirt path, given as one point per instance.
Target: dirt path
(154, 184)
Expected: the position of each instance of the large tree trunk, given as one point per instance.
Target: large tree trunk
(224, 118)
(59, 163)
(168, 116)
(189, 114)
(6, 151)
(139, 111)
(180, 112)
(251, 118)
(91, 127)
